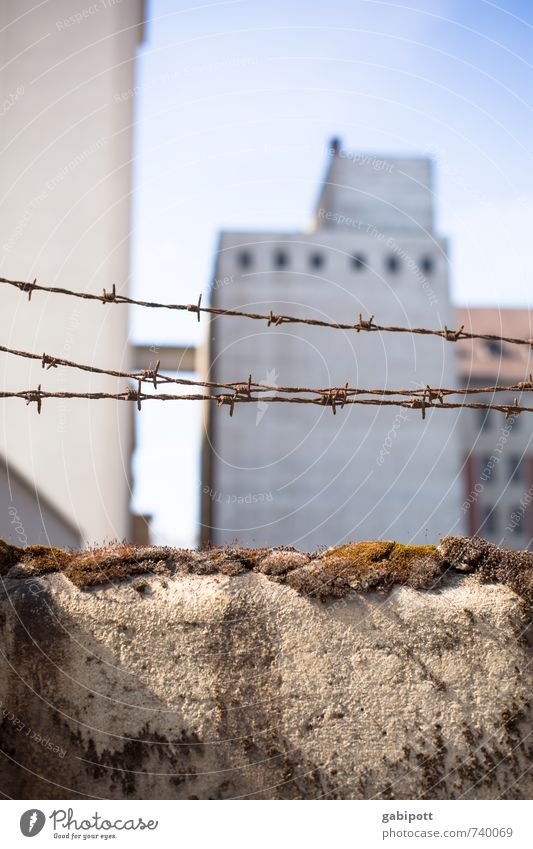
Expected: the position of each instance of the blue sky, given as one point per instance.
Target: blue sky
(235, 104)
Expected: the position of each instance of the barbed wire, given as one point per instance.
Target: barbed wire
(334, 399)
(247, 386)
(275, 319)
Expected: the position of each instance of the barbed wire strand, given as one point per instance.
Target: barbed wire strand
(333, 399)
(240, 387)
(275, 319)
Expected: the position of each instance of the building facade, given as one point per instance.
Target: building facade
(29, 518)
(497, 452)
(65, 219)
(274, 474)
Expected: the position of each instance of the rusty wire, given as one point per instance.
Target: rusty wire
(246, 387)
(334, 399)
(275, 319)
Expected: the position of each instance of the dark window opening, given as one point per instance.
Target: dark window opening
(281, 259)
(358, 262)
(244, 259)
(496, 348)
(316, 260)
(427, 265)
(393, 263)
(487, 468)
(515, 469)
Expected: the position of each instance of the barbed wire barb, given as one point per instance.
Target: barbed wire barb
(35, 396)
(324, 399)
(110, 297)
(367, 325)
(241, 387)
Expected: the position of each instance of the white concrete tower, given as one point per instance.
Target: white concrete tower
(281, 474)
(66, 160)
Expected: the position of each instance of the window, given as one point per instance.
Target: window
(516, 470)
(393, 264)
(316, 260)
(281, 259)
(427, 265)
(488, 523)
(244, 259)
(496, 348)
(487, 468)
(359, 262)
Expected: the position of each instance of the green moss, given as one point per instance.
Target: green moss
(364, 566)
(407, 553)
(355, 566)
(360, 558)
(373, 552)
(405, 556)
(360, 553)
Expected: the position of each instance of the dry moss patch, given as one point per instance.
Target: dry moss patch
(356, 566)
(364, 566)
(36, 559)
(490, 563)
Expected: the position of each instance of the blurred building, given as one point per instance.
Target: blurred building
(66, 98)
(274, 474)
(497, 453)
(28, 517)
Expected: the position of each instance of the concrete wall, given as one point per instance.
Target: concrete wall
(66, 139)
(214, 687)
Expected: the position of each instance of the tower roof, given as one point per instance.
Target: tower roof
(364, 190)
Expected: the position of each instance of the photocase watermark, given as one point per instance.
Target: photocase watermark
(413, 266)
(65, 819)
(10, 100)
(339, 218)
(46, 190)
(32, 822)
(15, 520)
(227, 498)
(66, 825)
(401, 416)
(362, 159)
(63, 406)
(185, 73)
(36, 588)
(21, 728)
(85, 14)
(516, 517)
(262, 406)
(220, 282)
(489, 466)
(453, 175)
(389, 242)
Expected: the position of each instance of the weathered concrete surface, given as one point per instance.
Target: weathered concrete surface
(183, 685)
